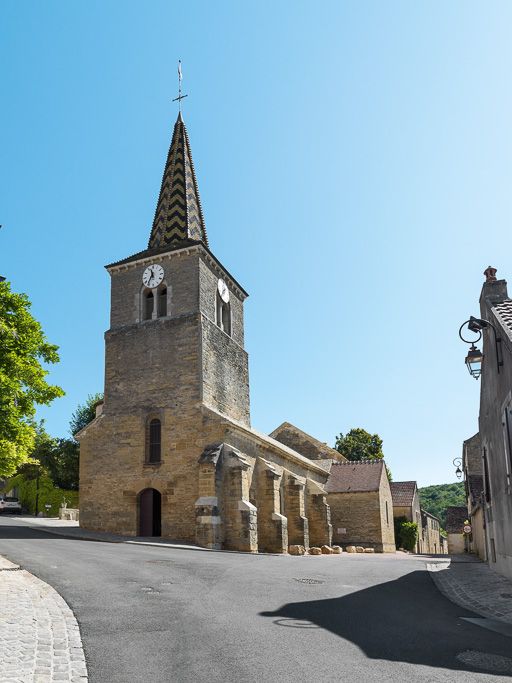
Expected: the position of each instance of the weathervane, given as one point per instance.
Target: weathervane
(180, 77)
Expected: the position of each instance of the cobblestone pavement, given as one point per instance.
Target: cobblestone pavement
(471, 584)
(39, 635)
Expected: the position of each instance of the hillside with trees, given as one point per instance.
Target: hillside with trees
(435, 499)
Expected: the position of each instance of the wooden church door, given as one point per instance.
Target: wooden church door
(150, 512)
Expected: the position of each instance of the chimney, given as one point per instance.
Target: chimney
(494, 291)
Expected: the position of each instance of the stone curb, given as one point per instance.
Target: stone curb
(475, 587)
(39, 635)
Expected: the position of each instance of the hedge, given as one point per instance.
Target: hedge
(48, 494)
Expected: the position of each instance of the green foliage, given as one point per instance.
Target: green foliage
(48, 493)
(409, 535)
(358, 444)
(59, 457)
(435, 499)
(85, 413)
(406, 533)
(23, 349)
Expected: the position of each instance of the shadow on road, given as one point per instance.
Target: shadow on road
(406, 620)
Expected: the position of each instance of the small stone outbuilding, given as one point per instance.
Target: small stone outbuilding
(359, 496)
(406, 503)
(456, 516)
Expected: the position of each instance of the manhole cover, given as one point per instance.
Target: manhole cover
(486, 661)
(305, 580)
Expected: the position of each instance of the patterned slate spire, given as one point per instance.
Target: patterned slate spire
(178, 215)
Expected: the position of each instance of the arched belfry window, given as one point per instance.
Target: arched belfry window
(162, 300)
(223, 315)
(155, 441)
(148, 304)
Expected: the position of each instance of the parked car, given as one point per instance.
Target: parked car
(9, 504)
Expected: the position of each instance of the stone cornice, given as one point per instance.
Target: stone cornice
(213, 262)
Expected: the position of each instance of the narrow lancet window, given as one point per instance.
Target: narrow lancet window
(155, 441)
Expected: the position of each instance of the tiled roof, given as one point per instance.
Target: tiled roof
(178, 215)
(503, 313)
(349, 477)
(403, 492)
(476, 487)
(455, 518)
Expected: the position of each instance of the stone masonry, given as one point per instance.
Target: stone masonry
(361, 506)
(171, 448)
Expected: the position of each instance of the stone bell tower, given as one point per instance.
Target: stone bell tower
(176, 328)
(175, 344)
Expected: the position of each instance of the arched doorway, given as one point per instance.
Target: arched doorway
(150, 513)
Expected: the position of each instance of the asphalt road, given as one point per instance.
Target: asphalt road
(160, 614)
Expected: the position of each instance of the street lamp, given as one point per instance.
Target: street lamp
(457, 462)
(475, 357)
(474, 361)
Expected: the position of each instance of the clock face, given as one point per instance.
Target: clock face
(223, 291)
(153, 276)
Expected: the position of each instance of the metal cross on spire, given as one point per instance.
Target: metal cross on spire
(180, 77)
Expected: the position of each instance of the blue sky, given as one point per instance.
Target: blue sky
(354, 164)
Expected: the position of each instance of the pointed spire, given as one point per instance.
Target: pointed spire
(178, 215)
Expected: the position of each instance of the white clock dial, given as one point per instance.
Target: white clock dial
(153, 276)
(223, 291)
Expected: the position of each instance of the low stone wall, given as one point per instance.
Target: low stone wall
(69, 513)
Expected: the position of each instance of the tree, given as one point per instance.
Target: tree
(23, 350)
(85, 413)
(358, 444)
(58, 457)
(435, 499)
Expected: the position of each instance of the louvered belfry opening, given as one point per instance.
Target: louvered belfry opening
(178, 215)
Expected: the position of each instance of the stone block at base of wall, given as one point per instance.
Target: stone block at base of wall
(69, 513)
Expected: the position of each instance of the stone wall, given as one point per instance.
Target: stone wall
(228, 499)
(357, 519)
(478, 534)
(495, 399)
(225, 373)
(456, 543)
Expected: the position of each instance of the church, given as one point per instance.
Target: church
(171, 451)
